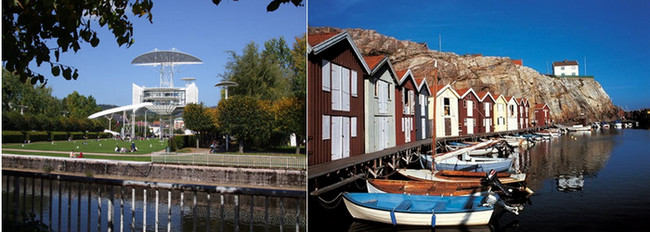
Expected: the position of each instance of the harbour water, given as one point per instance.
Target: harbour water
(77, 206)
(589, 181)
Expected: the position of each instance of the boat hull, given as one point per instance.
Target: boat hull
(478, 215)
(454, 164)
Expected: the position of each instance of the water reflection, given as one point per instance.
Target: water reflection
(74, 206)
(573, 155)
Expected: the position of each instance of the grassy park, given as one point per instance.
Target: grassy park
(93, 146)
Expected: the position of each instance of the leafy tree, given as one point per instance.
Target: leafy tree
(298, 65)
(255, 76)
(30, 28)
(199, 118)
(245, 118)
(289, 115)
(16, 93)
(80, 106)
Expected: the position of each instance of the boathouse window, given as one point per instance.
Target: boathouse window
(562, 68)
(353, 83)
(512, 110)
(411, 102)
(486, 107)
(446, 107)
(470, 109)
(377, 83)
(326, 75)
(340, 87)
(388, 91)
(353, 127)
(326, 127)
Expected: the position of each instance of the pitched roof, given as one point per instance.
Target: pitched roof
(403, 76)
(508, 98)
(462, 92)
(481, 95)
(539, 106)
(565, 63)
(322, 42)
(421, 82)
(373, 61)
(443, 88)
(315, 39)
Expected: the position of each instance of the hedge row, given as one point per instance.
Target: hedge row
(12, 137)
(181, 141)
(34, 136)
(37, 136)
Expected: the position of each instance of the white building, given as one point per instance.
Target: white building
(566, 68)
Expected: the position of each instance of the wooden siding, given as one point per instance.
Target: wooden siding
(409, 85)
(319, 103)
(419, 117)
(482, 116)
(462, 113)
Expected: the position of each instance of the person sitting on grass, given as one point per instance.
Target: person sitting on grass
(72, 155)
(117, 149)
(81, 155)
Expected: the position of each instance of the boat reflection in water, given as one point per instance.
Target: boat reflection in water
(570, 183)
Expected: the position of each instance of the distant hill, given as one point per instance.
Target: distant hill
(567, 98)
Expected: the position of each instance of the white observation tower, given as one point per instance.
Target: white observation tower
(166, 98)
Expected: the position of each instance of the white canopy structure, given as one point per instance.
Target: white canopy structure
(122, 109)
(119, 109)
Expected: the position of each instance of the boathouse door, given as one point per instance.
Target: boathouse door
(486, 123)
(337, 138)
(447, 126)
(470, 126)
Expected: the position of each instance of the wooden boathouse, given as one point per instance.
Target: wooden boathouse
(379, 104)
(468, 112)
(335, 98)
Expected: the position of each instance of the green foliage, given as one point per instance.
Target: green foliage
(59, 135)
(247, 119)
(197, 118)
(13, 137)
(35, 136)
(289, 116)
(181, 141)
(76, 135)
(79, 106)
(105, 135)
(299, 80)
(256, 75)
(33, 30)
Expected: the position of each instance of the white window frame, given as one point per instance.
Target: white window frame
(326, 127)
(353, 127)
(353, 83)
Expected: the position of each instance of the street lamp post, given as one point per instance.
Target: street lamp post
(226, 84)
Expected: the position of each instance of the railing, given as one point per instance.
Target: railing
(72, 203)
(232, 160)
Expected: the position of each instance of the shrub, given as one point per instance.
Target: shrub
(37, 136)
(104, 135)
(76, 135)
(12, 137)
(59, 135)
(92, 135)
(181, 141)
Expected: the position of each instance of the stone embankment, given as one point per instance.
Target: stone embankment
(146, 171)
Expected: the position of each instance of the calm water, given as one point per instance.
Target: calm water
(596, 181)
(59, 215)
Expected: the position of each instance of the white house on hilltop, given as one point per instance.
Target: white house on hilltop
(566, 68)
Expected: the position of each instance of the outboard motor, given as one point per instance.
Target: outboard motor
(491, 179)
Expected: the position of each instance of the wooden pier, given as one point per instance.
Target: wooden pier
(331, 175)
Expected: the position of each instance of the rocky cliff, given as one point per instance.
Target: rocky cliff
(568, 98)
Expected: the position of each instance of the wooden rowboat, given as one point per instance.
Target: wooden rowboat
(458, 176)
(418, 210)
(425, 187)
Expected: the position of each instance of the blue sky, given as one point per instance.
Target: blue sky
(197, 27)
(614, 36)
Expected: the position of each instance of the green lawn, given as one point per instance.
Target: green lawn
(101, 146)
(125, 158)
